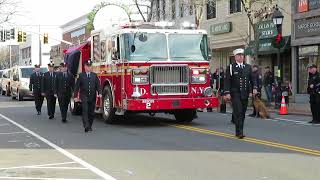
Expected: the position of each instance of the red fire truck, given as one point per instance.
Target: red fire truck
(147, 68)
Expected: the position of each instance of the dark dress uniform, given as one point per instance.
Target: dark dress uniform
(48, 89)
(64, 84)
(89, 85)
(238, 83)
(35, 86)
(314, 96)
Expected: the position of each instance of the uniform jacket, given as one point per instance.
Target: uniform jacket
(64, 85)
(36, 82)
(48, 83)
(239, 81)
(88, 87)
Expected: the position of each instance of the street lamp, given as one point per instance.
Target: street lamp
(277, 18)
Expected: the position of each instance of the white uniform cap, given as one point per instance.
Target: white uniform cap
(238, 51)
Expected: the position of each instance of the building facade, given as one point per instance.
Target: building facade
(305, 42)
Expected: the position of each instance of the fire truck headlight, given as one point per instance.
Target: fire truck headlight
(208, 92)
(198, 79)
(140, 80)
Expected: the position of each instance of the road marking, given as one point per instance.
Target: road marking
(39, 165)
(63, 151)
(33, 178)
(252, 140)
(5, 124)
(10, 133)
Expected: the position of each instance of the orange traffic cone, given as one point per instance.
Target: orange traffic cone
(283, 108)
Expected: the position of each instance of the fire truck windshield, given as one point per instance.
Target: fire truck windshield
(145, 47)
(188, 47)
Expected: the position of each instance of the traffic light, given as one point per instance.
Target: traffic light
(19, 36)
(24, 36)
(45, 38)
(2, 37)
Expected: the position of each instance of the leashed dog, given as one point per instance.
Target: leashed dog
(261, 109)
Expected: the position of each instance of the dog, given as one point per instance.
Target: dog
(261, 109)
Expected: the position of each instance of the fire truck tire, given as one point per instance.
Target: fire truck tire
(75, 107)
(186, 115)
(108, 112)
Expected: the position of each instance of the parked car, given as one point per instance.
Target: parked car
(20, 81)
(5, 82)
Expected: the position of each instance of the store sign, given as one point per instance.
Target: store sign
(307, 27)
(303, 5)
(221, 28)
(266, 29)
(314, 4)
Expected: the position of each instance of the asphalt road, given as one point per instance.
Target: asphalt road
(154, 148)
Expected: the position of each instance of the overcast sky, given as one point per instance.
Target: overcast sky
(50, 14)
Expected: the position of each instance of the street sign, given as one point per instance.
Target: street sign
(266, 29)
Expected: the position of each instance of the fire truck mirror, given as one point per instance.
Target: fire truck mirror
(133, 48)
(143, 37)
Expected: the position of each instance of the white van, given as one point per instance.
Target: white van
(20, 81)
(5, 82)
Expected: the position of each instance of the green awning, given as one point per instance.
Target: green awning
(265, 46)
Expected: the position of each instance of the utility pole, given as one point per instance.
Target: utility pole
(40, 53)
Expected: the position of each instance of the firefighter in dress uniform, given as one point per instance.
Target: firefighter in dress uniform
(48, 83)
(238, 87)
(314, 91)
(35, 86)
(88, 85)
(64, 84)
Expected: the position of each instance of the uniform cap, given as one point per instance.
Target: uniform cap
(51, 64)
(312, 66)
(37, 66)
(238, 51)
(63, 64)
(88, 63)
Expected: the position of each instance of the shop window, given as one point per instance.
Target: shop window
(306, 55)
(235, 6)
(211, 9)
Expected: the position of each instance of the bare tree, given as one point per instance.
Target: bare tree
(8, 8)
(257, 11)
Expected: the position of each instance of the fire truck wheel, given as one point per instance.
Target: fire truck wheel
(75, 107)
(108, 109)
(186, 115)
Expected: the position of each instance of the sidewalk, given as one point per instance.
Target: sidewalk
(293, 108)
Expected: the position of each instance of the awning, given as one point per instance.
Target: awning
(265, 46)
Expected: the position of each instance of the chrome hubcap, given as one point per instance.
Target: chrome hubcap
(106, 106)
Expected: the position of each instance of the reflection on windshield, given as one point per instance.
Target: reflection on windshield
(26, 72)
(146, 47)
(188, 47)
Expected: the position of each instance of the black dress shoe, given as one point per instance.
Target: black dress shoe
(51, 117)
(90, 129)
(86, 130)
(252, 115)
(311, 122)
(39, 112)
(64, 120)
(240, 136)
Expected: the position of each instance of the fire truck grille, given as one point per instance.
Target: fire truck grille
(170, 74)
(170, 90)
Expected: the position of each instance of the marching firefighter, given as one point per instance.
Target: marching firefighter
(88, 84)
(35, 87)
(314, 91)
(48, 90)
(238, 87)
(64, 84)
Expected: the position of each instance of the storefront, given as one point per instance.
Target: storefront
(306, 44)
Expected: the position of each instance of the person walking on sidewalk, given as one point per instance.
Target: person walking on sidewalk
(238, 87)
(256, 77)
(314, 91)
(268, 81)
(88, 84)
